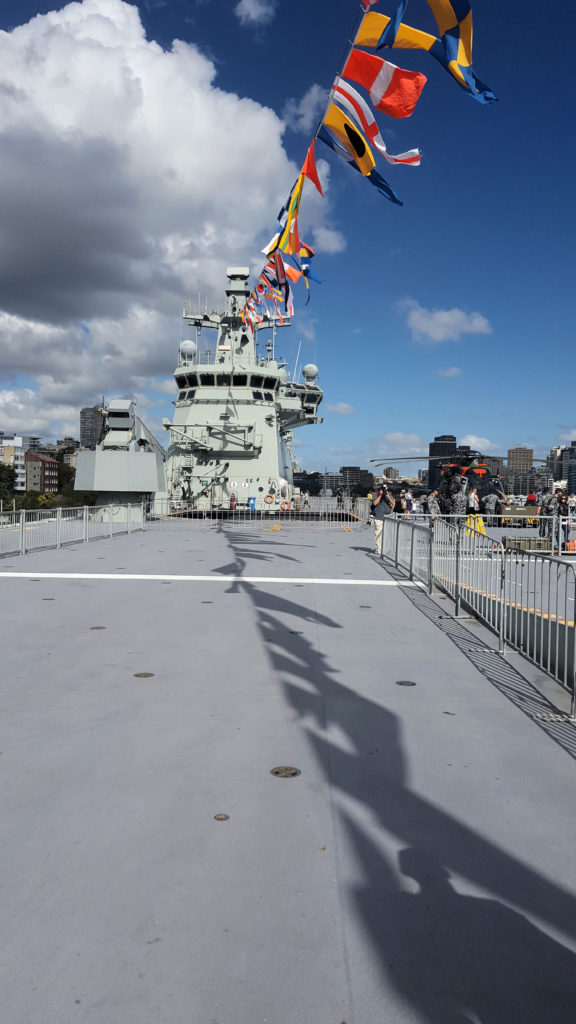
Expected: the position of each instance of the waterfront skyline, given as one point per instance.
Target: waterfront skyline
(135, 171)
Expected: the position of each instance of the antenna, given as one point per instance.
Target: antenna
(297, 360)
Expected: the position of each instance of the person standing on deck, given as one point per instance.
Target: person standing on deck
(490, 505)
(433, 506)
(545, 510)
(381, 507)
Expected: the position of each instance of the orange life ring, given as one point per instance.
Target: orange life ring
(269, 499)
(285, 506)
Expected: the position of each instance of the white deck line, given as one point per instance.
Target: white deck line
(205, 579)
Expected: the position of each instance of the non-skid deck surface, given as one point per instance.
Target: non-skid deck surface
(421, 868)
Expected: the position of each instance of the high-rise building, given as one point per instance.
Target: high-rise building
(520, 459)
(443, 445)
(91, 426)
(390, 473)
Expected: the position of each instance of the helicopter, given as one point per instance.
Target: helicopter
(465, 462)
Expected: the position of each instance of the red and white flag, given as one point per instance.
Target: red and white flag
(392, 90)
(347, 97)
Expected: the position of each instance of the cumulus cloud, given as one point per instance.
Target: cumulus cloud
(432, 326)
(255, 12)
(303, 115)
(452, 371)
(341, 408)
(481, 444)
(118, 197)
(328, 240)
(399, 444)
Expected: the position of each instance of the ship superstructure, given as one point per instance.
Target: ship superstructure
(230, 438)
(231, 434)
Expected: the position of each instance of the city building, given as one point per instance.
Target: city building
(520, 459)
(560, 459)
(390, 473)
(333, 481)
(12, 454)
(91, 426)
(41, 473)
(356, 479)
(444, 445)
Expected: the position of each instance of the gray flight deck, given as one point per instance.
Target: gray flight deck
(421, 868)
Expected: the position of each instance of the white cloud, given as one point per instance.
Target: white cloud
(398, 444)
(255, 12)
(569, 436)
(481, 444)
(303, 115)
(328, 240)
(20, 412)
(452, 371)
(432, 326)
(305, 326)
(341, 408)
(121, 168)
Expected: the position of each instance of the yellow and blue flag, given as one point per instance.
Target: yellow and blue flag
(373, 176)
(452, 49)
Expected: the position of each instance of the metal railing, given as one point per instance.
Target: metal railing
(316, 513)
(526, 597)
(37, 529)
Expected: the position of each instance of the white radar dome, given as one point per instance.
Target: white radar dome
(310, 372)
(188, 349)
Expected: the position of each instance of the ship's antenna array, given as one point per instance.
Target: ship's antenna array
(297, 361)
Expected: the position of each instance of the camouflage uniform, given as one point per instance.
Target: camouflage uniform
(490, 503)
(459, 503)
(433, 505)
(548, 506)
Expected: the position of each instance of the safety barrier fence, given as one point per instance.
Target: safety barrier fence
(32, 529)
(547, 534)
(316, 514)
(526, 597)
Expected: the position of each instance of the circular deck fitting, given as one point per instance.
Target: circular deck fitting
(48, 598)
(285, 772)
(207, 602)
(405, 682)
(221, 817)
(143, 675)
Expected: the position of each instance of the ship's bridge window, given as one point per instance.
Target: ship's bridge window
(270, 382)
(257, 395)
(181, 395)
(240, 380)
(257, 382)
(118, 415)
(180, 382)
(268, 396)
(207, 380)
(222, 380)
(192, 380)
(191, 394)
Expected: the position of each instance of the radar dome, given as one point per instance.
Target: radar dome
(310, 372)
(188, 349)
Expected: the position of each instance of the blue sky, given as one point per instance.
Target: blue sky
(452, 314)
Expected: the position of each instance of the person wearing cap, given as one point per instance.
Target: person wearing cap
(381, 507)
